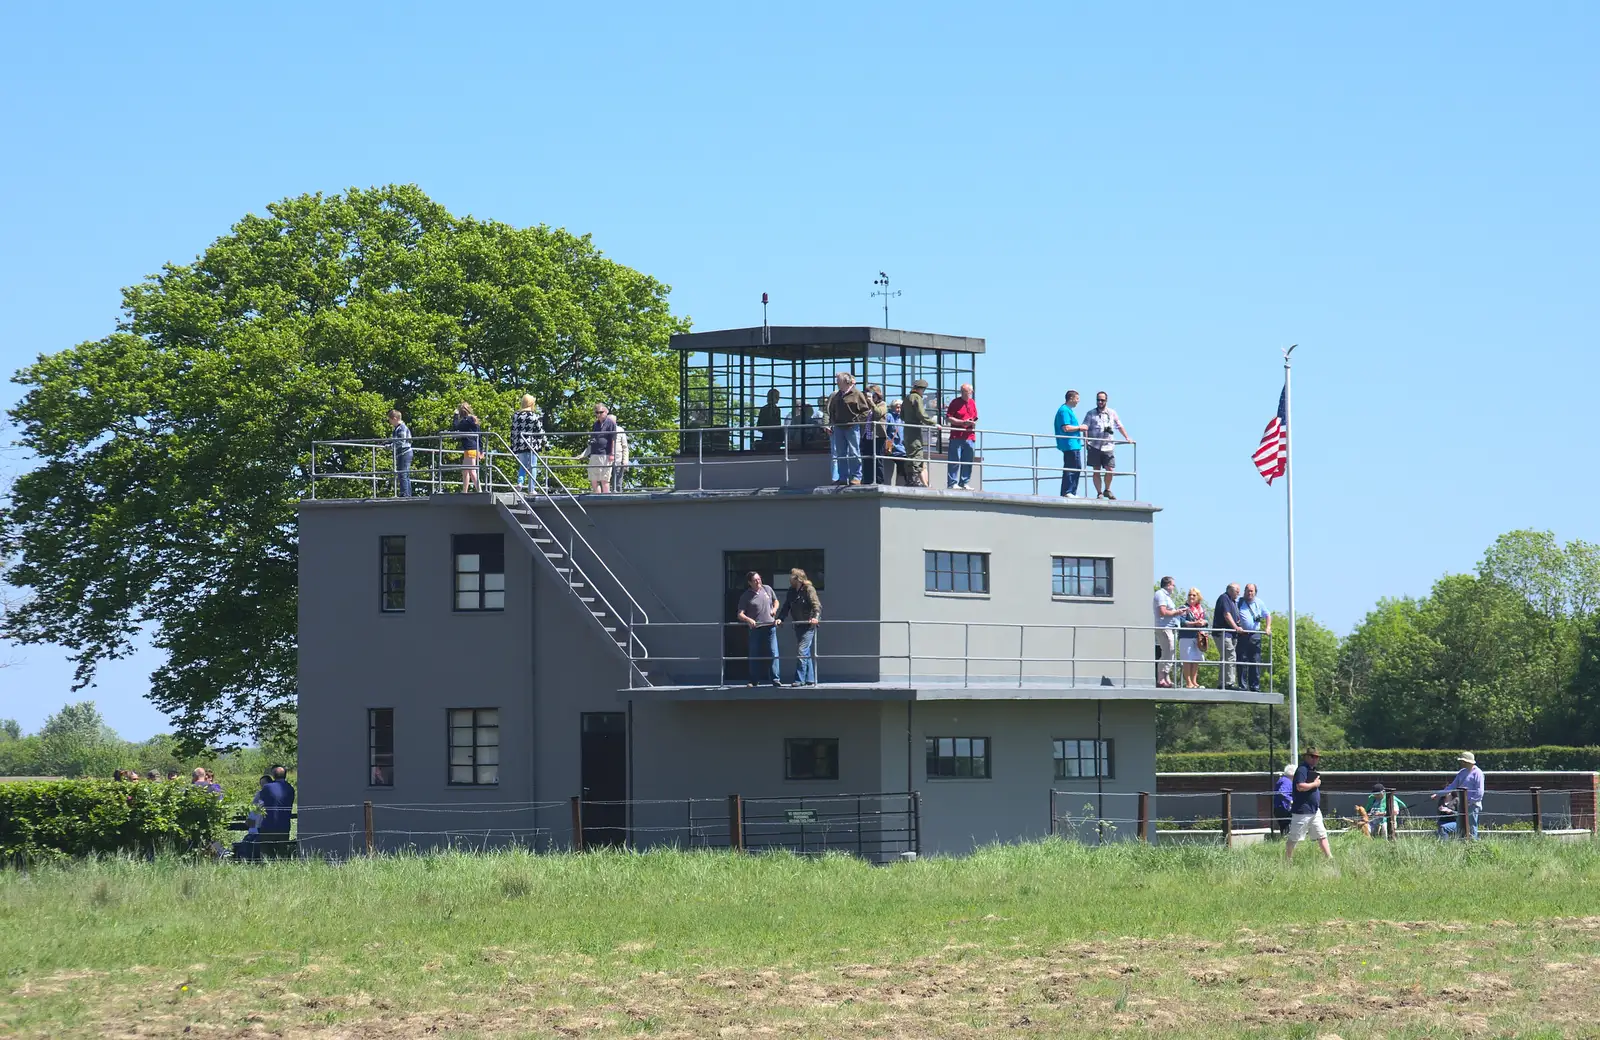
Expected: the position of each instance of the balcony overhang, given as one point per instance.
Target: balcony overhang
(899, 691)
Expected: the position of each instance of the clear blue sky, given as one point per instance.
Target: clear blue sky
(1152, 202)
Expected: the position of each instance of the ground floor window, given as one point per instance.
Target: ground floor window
(1082, 758)
(964, 757)
(475, 746)
(811, 758)
(380, 747)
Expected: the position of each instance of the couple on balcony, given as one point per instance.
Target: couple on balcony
(758, 608)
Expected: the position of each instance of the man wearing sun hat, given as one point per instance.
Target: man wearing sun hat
(1305, 811)
(1469, 779)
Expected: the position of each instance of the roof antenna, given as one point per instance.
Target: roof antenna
(766, 330)
(882, 281)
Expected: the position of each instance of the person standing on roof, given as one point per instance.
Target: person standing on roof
(601, 450)
(1068, 439)
(914, 413)
(528, 441)
(962, 418)
(1100, 425)
(849, 415)
(466, 424)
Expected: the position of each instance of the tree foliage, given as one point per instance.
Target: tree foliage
(173, 450)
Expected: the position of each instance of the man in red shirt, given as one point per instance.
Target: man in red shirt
(962, 417)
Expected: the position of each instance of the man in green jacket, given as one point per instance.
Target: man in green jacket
(849, 415)
(915, 416)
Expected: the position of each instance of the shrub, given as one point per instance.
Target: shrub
(1384, 760)
(48, 819)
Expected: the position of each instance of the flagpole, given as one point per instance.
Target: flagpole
(1288, 474)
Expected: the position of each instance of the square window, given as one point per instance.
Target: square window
(474, 752)
(480, 571)
(811, 758)
(958, 757)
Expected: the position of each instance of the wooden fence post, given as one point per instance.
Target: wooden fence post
(1144, 815)
(577, 824)
(1227, 817)
(1538, 815)
(1391, 813)
(366, 819)
(1463, 819)
(735, 823)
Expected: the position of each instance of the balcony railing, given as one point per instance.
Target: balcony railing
(966, 654)
(690, 459)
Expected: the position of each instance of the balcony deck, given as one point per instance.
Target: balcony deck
(952, 690)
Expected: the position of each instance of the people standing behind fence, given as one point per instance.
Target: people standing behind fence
(528, 441)
(802, 606)
(1100, 426)
(601, 450)
(1470, 780)
(1192, 638)
(201, 777)
(962, 418)
(1256, 621)
(400, 444)
(769, 424)
(872, 436)
(914, 414)
(1068, 429)
(758, 607)
(467, 424)
(1377, 809)
(893, 460)
(1225, 621)
(1168, 616)
(849, 411)
(1305, 811)
(619, 456)
(1283, 798)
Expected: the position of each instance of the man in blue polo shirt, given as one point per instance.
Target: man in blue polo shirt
(1305, 806)
(1256, 622)
(1071, 445)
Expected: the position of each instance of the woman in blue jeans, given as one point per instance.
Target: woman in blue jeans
(801, 603)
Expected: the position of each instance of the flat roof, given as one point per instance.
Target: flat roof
(934, 496)
(899, 691)
(789, 336)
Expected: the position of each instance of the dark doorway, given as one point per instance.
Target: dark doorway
(604, 770)
(773, 565)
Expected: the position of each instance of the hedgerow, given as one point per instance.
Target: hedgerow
(54, 819)
(1549, 758)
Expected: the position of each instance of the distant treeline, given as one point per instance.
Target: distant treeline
(1537, 759)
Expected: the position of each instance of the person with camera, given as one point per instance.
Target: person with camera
(1305, 808)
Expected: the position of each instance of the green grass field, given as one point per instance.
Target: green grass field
(1415, 938)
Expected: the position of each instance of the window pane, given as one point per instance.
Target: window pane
(947, 746)
(493, 582)
(467, 562)
(488, 774)
(494, 601)
(489, 717)
(960, 582)
(461, 756)
(461, 717)
(466, 583)
(461, 774)
(466, 601)
(488, 756)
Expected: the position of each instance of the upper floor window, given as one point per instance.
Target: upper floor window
(1082, 758)
(955, 571)
(480, 571)
(811, 758)
(380, 747)
(392, 573)
(966, 757)
(1087, 576)
(474, 745)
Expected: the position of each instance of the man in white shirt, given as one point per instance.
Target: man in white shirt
(1166, 612)
(1099, 424)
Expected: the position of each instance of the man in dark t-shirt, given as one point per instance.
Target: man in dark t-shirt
(1305, 805)
(1226, 620)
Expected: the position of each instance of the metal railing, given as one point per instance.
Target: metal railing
(692, 458)
(937, 653)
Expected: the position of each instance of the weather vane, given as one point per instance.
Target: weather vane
(882, 283)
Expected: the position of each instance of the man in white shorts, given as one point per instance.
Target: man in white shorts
(1305, 807)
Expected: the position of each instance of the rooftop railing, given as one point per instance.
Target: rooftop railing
(695, 458)
(966, 654)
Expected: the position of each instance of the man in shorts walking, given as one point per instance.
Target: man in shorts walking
(1099, 425)
(1305, 806)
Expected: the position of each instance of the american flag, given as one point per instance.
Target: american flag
(1272, 456)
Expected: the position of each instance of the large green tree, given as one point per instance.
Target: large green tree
(173, 450)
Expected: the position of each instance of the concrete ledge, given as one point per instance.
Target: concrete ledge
(899, 691)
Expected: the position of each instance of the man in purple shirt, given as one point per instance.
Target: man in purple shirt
(1470, 780)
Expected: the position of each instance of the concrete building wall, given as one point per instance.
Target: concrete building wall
(421, 662)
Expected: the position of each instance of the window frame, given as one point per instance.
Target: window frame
(372, 748)
(385, 554)
(931, 572)
(932, 747)
(1057, 559)
(484, 589)
(790, 744)
(450, 765)
(1105, 753)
